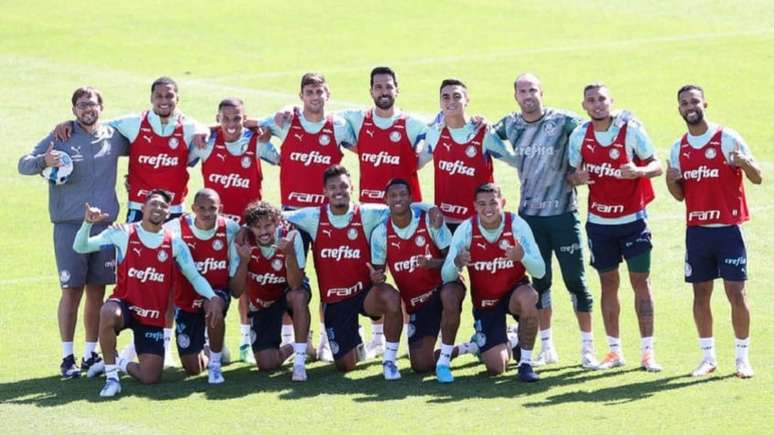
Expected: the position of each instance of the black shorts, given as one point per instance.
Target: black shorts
(147, 339)
(712, 252)
(341, 323)
(190, 327)
(610, 243)
(426, 322)
(266, 325)
(490, 323)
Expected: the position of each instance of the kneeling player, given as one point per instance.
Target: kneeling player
(497, 246)
(411, 245)
(140, 299)
(209, 236)
(272, 275)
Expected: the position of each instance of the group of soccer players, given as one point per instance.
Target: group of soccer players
(172, 267)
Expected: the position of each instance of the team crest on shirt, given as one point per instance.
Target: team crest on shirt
(710, 153)
(324, 139)
(420, 241)
(395, 136)
(276, 264)
(615, 153)
(162, 256)
(64, 276)
(504, 244)
(183, 340)
(688, 270)
(246, 162)
(217, 244)
(173, 143)
(352, 234)
(549, 128)
(470, 151)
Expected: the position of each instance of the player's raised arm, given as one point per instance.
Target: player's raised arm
(84, 244)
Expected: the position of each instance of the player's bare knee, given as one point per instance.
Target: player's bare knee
(451, 298)
(345, 364)
(421, 365)
(297, 299)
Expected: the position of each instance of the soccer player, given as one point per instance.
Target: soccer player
(462, 154)
(341, 247)
(613, 155)
(539, 136)
(231, 165)
(706, 167)
(414, 251)
(497, 247)
(271, 274)
(145, 252)
(209, 236)
(94, 149)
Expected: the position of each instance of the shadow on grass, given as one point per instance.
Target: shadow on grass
(324, 380)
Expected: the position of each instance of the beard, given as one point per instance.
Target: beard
(698, 120)
(88, 121)
(384, 103)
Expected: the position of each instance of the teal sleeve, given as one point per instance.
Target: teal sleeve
(298, 246)
(83, 244)
(643, 147)
(373, 215)
(354, 120)
(499, 149)
(416, 129)
(343, 132)
(441, 236)
(128, 126)
(500, 129)
(233, 256)
(460, 241)
(674, 155)
(306, 218)
(729, 141)
(379, 245)
(532, 260)
(431, 140)
(268, 153)
(186, 264)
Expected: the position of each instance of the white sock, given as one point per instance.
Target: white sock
(646, 345)
(513, 340)
(122, 363)
(707, 345)
(67, 348)
(742, 348)
(587, 341)
(546, 339)
(299, 354)
(526, 356)
(446, 352)
(90, 346)
(614, 343)
(244, 334)
(111, 371)
(390, 350)
(215, 358)
(287, 333)
(464, 348)
(377, 332)
(167, 339)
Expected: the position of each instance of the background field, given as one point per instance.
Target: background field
(644, 50)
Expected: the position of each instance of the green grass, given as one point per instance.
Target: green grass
(644, 50)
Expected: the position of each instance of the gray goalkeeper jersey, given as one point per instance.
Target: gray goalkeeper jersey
(541, 160)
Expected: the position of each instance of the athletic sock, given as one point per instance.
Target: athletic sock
(323, 335)
(287, 333)
(299, 354)
(464, 348)
(614, 343)
(122, 363)
(377, 332)
(587, 341)
(88, 349)
(215, 358)
(167, 339)
(244, 333)
(546, 340)
(707, 345)
(646, 345)
(390, 350)
(526, 357)
(742, 348)
(513, 340)
(67, 348)
(446, 352)
(111, 371)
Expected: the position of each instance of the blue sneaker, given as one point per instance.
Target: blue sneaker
(391, 371)
(443, 374)
(526, 374)
(68, 368)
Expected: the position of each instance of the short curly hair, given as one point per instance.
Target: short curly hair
(258, 210)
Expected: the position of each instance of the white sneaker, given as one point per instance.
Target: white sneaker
(612, 360)
(299, 373)
(707, 366)
(391, 372)
(546, 356)
(96, 369)
(743, 369)
(214, 375)
(649, 364)
(112, 387)
(589, 360)
(374, 349)
(324, 352)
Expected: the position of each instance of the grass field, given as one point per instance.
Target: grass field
(644, 50)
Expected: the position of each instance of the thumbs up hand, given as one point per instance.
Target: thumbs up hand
(377, 274)
(463, 258)
(515, 252)
(738, 158)
(51, 157)
(673, 175)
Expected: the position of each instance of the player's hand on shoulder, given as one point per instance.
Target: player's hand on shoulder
(283, 117)
(436, 217)
(94, 214)
(479, 122)
(63, 130)
(377, 274)
(463, 258)
(200, 138)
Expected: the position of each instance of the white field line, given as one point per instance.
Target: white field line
(499, 55)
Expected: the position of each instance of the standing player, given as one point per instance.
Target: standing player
(414, 251)
(706, 167)
(271, 276)
(497, 247)
(614, 156)
(94, 149)
(209, 236)
(145, 252)
(548, 203)
(341, 233)
(462, 154)
(231, 165)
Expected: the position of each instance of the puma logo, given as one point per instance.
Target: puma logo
(298, 136)
(327, 233)
(370, 133)
(395, 244)
(147, 138)
(222, 157)
(481, 245)
(137, 251)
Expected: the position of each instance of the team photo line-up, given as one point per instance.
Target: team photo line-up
(182, 269)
